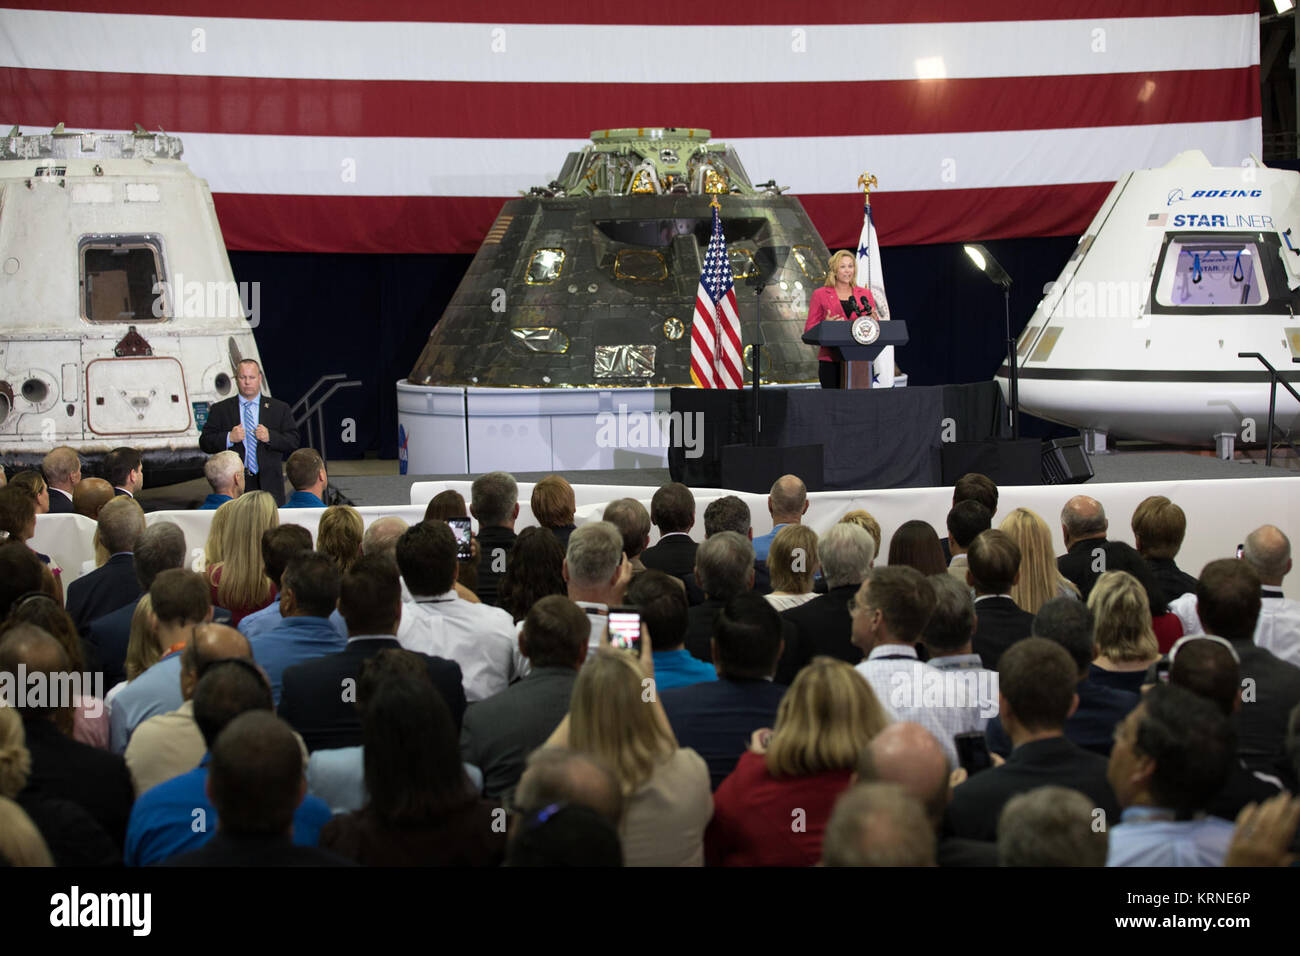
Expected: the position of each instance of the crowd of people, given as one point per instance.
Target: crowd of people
(385, 695)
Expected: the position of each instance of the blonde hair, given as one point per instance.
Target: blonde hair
(780, 559)
(243, 578)
(15, 758)
(339, 534)
(1122, 614)
(609, 719)
(213, 550)
(825, 721)
(863, 519)
(1040, 581)
(21, 844)
(833, 265)
(142, 648)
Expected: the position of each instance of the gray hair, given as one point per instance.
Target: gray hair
(221, 469)
(846, 553)
(595, 552)
(952, 622)
(493, 498)
(878, 824)
(558, 775)
(1050, 826)
(1268, 550)
(723, 564)
(381, 537)
(1083, 516)
(161, 547)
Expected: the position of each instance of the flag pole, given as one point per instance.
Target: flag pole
(868, 182)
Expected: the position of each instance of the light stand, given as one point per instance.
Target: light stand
(990, 266)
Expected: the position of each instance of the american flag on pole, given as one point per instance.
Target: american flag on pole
(715, 330)
(872, 276)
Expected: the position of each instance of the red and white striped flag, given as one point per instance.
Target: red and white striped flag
(715, 331)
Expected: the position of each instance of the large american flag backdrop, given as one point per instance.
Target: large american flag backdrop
(400, 127)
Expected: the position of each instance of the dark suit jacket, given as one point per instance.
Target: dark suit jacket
(489, 580)
(717, 718)
(59, 504)
(94, 779)
(1091, 726)
(277, 418)
(312, 697)
(1174, 581)
(673, 555)
(227, 850)
(1261, 723)
(999, 623)
(824, 625)
(699, 634)
(106, 641)
(1076, 564)
(499, 733)
(977, 803)
(103, 590)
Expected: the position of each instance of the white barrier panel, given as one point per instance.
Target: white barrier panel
(1220, 513)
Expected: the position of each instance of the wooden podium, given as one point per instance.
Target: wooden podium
(837, 335)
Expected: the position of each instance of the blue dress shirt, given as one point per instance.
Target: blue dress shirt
(303, 499)
(292, 641)
(680, 668)
(164, 821)
(156, 691)
(213, 502)
(1148, 836)
(763, 543)
(259, 622)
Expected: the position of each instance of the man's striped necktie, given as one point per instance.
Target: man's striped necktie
(250, 438)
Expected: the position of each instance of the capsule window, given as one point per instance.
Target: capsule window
(645, 265)
(545, 266)
(742, 262)
(1211, 272)
(811, 266)
(122, 279)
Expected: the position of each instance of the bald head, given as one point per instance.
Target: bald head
(1083, 518)
(210, 643)
(381, 537)
(909, 755)
(89, 495)
(556, 775)
(35, 651)
(1269, 552)
(788, 500)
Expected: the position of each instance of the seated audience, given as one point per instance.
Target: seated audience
(793, 565)
(787, 503)
(724, 567)
(18, 514)
(665, 788)
(370, 600)
(494, 504)
(170, 744)
(916, 545)
(305, 470)
(20, 574)
(993, 568)
(824, 625)
(124, 469)
(717, 718)
(309, 592)
(178, 600)
(1268, 551)
(535, 570)
(596, 573)
(633, 522)
(1050, 826)
(1158, 529)
(1171, 756)
(1040, 579)
(225, 473)
(1068, 622)
(973, 486)
(946, 639)
(662, 604)
(553, 507)
(33, 485)
(865, 521)
(878, 824)
(500, 732)
(965, 522)
(21, 843)
(1084, 526)
(728, 513)
(89, 495)
(1126, 644)
(421, 809)
(1165, 625)
(339, 534)
(214, 547)
(1037, 682)
(279, 545)
(239, 582)
(672, 511)
(794, 774)
(109, 587)
(436, 622)
(62, 468)
(556, 774)
(563, 835)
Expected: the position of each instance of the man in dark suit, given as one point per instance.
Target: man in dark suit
(494, 504)
(1036, 695)
(724, 568)
(62, 468)
(160, 548)
(717, 718)
(62, 767)
(318, 698)
(1084, 526)
(251, 417)
(824, 623)
(107, 588)
(672, 511)
(1158, 529)
(729, 513)
(1228, 602)
(124, 469)
(992, 568)
(500, 732)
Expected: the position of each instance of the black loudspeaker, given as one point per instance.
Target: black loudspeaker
(1066, 462)
(746, 468)
(1008, 461)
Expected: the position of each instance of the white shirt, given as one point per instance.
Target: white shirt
(1278, 629)
(478, 637)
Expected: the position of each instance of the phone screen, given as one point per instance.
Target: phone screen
(460, 528)
(625, 629)
(973, 752)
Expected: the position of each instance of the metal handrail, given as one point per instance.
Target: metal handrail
(316, 406)
(1274, 376)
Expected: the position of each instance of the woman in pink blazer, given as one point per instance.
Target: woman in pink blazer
(830, 302)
